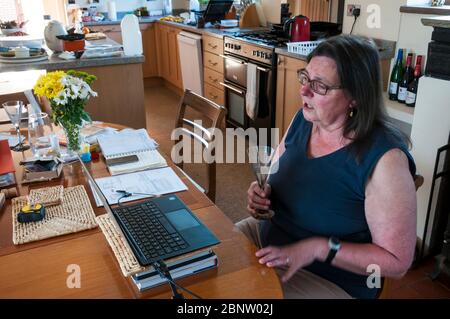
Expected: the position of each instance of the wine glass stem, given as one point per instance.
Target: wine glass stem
(18, 135)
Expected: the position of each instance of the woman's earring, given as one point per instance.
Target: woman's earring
(351, 112)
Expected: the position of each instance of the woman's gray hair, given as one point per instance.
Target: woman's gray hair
(358, 67)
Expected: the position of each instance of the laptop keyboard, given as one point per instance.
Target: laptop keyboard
(151, 235)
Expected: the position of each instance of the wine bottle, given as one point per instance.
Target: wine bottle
(408, 76)
(396, 76)
(411, 93)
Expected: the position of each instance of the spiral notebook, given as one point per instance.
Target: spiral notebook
(125, 143)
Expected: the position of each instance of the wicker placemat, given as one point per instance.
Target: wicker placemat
(73, 215)
(125, 257)
(47, 196)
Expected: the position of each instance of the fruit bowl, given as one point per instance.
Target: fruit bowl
(11, 31)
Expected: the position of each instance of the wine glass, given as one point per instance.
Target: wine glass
(260, 157)
(14, 111)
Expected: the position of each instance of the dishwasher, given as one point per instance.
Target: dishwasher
(190, 48)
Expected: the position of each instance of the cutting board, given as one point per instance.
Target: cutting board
(249, 17)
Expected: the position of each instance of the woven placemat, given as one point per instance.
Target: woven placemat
(125, 257)
(73, 215)
(47, 196)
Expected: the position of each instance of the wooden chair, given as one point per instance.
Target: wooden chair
(189, 129)
(387, 282)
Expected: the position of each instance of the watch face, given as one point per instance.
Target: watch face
(334, 243)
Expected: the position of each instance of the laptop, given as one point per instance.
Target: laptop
(159, 228)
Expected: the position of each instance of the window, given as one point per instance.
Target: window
(10, 10)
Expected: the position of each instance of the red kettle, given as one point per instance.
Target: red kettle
(300, 29)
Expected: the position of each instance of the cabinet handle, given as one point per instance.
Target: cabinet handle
(212, 46)
(280, 60)
(213, 79)
(212, 63)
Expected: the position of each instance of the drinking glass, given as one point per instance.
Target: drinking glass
(43, 140)
(260, 158)
(14, 111)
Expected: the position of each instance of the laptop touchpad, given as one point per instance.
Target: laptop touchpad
(182, 219)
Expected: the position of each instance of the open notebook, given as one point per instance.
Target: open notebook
(127, 143)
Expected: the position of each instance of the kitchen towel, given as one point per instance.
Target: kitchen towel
(112, 12)
(251, 97)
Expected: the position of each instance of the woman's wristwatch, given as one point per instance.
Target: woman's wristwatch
(334, 244)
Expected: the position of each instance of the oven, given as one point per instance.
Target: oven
(235, 88)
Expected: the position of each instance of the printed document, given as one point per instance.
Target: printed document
(157, 181)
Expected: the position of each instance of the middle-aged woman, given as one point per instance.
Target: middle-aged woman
(343, 195)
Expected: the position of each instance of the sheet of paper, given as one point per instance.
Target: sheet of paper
(157, 181)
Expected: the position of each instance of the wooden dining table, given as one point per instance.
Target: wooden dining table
(42, 269)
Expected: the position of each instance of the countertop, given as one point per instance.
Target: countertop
(386, 49)
(55, 63)
(215, 32)
(440, 22)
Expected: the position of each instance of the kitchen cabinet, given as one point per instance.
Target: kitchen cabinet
(213, 69)
(114, 32)
(150, 66)
(168, 54)
(288, 100)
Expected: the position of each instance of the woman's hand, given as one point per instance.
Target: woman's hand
(294, 256)
(257, 198)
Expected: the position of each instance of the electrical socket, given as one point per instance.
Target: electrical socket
(350, 8)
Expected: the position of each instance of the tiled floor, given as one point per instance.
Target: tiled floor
(161, 117)
(416, 284)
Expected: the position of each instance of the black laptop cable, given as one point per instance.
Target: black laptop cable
(126, 194)
(164, 272)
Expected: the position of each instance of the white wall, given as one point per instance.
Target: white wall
(272, 10)
(389, 14)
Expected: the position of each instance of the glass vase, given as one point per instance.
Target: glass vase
(73, 137)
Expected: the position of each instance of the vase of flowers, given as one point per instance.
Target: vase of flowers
(68, 93)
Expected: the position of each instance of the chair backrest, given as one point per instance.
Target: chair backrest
(190, 129)
(385, 289)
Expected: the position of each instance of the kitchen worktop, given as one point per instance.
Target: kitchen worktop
(215, 32)
(56, 63)
(439, 22)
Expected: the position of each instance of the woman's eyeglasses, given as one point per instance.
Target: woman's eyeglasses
(315, 85)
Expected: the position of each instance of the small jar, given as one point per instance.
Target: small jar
(22, 52)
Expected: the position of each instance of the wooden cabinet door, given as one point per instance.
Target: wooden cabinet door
(150, 66)
(163, 51)
(174, 58)
(289, 100)
(316, 10)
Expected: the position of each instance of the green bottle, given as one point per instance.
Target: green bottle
(396, 76)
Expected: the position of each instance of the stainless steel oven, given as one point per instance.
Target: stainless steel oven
(235, 87)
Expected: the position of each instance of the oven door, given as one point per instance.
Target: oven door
(235, 103)
(235, 70)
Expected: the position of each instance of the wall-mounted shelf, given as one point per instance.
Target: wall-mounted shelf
(398, 111)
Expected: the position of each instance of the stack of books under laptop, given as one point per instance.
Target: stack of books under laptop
(179, 268)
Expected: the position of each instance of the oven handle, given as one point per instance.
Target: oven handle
(232, 88)
(232, 59)
(243, 62)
